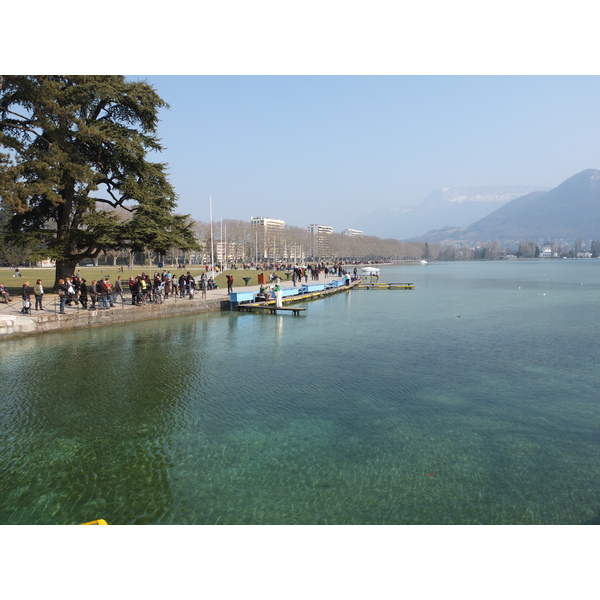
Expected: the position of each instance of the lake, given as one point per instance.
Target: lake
(472, 399)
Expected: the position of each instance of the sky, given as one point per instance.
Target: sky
(331, 149)
(326, 112)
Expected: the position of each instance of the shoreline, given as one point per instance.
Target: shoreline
(13, 324)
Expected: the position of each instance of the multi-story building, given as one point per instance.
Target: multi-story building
(320, 241)
(269, 238)
(352, 232)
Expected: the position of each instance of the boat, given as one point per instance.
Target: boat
(96, 522)
(423, 262)
(369, 271)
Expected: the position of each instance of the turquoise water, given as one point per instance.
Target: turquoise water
(374, 407)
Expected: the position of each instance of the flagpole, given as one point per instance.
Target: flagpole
(212, 252)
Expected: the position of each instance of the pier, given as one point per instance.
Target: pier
(295, 310)
(385, 286)
(248, 301)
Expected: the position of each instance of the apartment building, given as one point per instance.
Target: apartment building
(269, 238)
(320, 241)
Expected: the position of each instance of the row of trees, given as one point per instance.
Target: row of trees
(237, 241)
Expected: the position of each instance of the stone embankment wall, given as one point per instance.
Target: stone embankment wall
(19, 325)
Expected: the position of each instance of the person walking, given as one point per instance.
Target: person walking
(118, 290)
(109, 289)
(38, 290)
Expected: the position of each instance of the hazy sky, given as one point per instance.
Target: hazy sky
(330, 149)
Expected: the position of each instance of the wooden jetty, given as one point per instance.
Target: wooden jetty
(295, 310)
(385, 286)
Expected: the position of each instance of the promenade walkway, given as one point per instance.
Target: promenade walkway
(13, 323)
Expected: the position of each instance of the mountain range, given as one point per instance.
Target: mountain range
(456, 206)
(568, 212)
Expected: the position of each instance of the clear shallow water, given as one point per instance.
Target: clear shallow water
(376, 407)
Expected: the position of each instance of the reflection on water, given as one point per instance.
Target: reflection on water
(372, 407)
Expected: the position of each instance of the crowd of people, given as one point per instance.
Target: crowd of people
(163, 285)
(101, 294)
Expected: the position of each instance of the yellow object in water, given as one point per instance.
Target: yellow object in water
(96, 522)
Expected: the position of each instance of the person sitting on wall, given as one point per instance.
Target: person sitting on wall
(4, 293)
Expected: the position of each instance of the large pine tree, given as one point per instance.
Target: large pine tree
(74, 149)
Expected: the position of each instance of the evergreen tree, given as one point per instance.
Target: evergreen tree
(74, 151)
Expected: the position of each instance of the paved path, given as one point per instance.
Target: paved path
(51, 301)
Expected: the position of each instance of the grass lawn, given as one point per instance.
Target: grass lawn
(14, 284)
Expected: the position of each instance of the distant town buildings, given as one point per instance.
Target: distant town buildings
(271, 244)
(269, 238)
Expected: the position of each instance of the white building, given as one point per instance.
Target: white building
(352, 232)
(269, 238)
(48, 262)
(546, 251)
(320, 241)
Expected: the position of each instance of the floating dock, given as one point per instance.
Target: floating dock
(247, 301)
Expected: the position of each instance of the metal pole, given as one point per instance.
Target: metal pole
(212, 252)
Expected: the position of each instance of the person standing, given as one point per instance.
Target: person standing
(203, 285)
(229, 283)
(93, 293)
(83, 293)
(136, 291)
(191, 285)
(103, 293)
(26, 295)
(38, 290)
(63, 289)
(278, 296)
(133, 290)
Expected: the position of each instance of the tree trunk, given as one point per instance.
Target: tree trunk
(64, 268)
